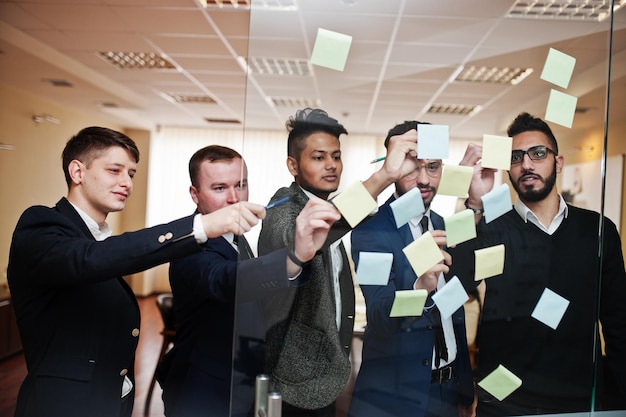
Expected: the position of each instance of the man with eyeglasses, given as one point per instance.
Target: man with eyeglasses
(549, 245)
(413, 366)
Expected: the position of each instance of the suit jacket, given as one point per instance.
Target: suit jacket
(208, 286)
(78, 319)
(307, 356)
(394, 378)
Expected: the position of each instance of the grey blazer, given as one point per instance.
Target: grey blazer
(307, 357)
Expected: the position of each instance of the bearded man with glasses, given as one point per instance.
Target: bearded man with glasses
(549, 245)
(413, 366)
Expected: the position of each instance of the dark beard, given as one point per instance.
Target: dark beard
(535, 195)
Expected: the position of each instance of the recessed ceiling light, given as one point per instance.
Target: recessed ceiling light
(494, 75)
(295, 102)
(594, 10)
(57, 82)
(192, 98)
(279, 66)
(453, 109)
(136, 60)
(223, 121)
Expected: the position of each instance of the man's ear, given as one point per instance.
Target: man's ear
(292, 165)
(193, 191)
(76, 171)
(560, 160)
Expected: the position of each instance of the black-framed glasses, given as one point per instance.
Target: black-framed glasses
(433, 170)
(535, 153)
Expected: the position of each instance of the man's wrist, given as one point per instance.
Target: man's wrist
(469, 206)
(292, 255)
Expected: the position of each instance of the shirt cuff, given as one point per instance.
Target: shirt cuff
(198, 229)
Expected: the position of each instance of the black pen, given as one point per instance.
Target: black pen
(277, 202)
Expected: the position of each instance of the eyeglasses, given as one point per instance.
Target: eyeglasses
(433, 170)
(535, 153)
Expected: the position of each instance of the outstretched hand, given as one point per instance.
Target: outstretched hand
(235, 218)
(312, 226)
(482, 179)
(429, 279)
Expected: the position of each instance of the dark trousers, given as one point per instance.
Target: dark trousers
(443, 399)
(292, 411)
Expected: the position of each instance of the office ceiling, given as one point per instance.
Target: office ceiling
(402, 61)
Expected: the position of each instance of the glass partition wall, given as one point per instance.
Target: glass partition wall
(533, 315)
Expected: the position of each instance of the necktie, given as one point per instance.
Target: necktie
(441, 350)
(245, 252)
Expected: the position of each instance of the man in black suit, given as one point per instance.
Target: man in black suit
(78, 319)
(210, 287)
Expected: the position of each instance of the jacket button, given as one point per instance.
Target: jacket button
(123, 372)
(429, 326)
(168, 235)
(426, 362)
(135, 332)
(161, 239)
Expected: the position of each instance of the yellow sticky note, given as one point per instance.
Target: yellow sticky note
(500, 383)
(331, 49)
(423, 253)
(460, 227)
(558, 68)
(355, 203)
(561, 108)
(497, 152)
(408, 303)
(455, 180)
(489, 262)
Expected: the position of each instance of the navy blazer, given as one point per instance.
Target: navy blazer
(78, 319)
(208, 286)
(394, 378)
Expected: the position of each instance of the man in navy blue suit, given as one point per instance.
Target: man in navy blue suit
(402, 372)
(211, 287)
(78, 319)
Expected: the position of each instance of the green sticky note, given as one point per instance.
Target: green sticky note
(460, 227)
(489, 262)
(561, 108)
(558, 68)
(455, 180)
(423, 253)
(497, 152)
(331, 49)
(355, 203)
(500, 383)
(408, 303)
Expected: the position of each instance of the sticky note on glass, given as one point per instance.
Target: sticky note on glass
(550, 308)
(331, 49)
(433, 141)
(455, 180)
(460, 227)
(500, 383)
(423, 253)
(497, 152)
(354, 203)
(408, 303)
(489, 262)
(373, 268)
(407, 206)
(561, 108)
(497, 202)
(558, 68)
(450, 297)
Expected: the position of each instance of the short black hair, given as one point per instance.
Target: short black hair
(524, 122)
(402, 128)
(307, 122)
(90, 142)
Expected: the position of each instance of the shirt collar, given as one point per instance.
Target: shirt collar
(524, 212)
(98, 232)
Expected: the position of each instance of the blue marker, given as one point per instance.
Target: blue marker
(277, 202)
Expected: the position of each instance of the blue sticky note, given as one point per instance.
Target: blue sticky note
(331, 49)
(497, 202)
(450, 297)
(374, 268)
(433, 141)
(550, 308)
(558, 68)
(561, 108)
(407, 206)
